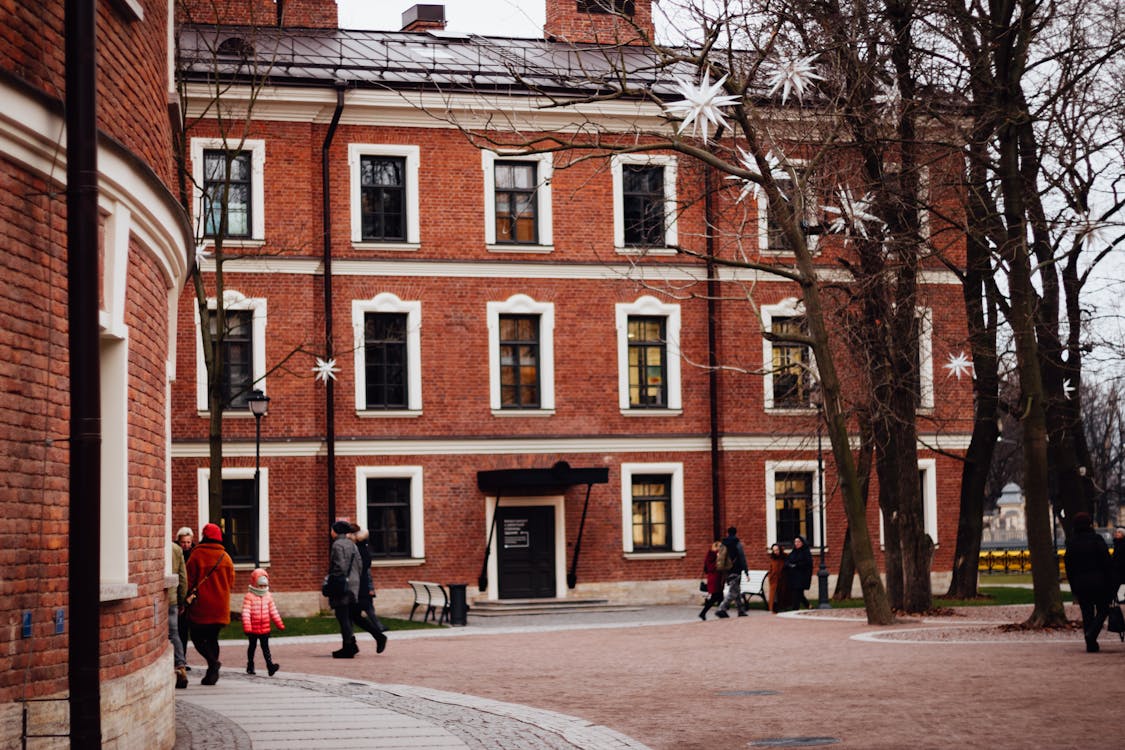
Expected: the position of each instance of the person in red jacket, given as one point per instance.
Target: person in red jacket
(210, 579)
(258, 611)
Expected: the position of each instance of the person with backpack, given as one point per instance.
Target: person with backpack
(736, 557)
(713, 577)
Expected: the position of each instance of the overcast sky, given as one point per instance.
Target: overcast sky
(523, 18)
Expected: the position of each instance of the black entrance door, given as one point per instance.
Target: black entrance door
(526, 547)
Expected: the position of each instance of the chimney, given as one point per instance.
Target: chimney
(424, 18)
(317, 14)
(598, 21)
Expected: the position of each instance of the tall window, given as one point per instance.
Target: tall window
(237, 378)
(643, 205)
(801, 197)
(519, 361)
(652, 512)
(791, 376)
(240, 528)
(385, 360)
(793, 503)
(516, 188)
(388, 516)
(231, 189)
(383, 197)
(648, 385)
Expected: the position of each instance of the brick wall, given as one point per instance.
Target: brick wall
(564, 22)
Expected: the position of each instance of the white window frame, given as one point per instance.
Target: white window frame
(233, 300)
(114, 514)
(203, 476)
(676, 472)
(257, 149)
(787, 308)
(671, 208)
(412, 154)
(929, 501)
(558, 504)
(521, 304)
(649, 306)
(544, 171)
(925, 357)
(809, 206)
(773, 468)
(417, 524)
(385, 302)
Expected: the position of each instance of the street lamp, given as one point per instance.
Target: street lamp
(259, 404)
(822, 571)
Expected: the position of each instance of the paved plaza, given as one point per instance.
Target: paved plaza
(657, 677)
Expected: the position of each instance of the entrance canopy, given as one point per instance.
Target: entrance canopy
(560, 476)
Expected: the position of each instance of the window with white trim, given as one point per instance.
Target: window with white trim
(517, 201)
(788, 365)
(793, 502)
(245, 533)
(644, 203)
(388, 354)
(652, 508)
(795, 186)
(244, 367)
(389, 505)
(213, 160)
(925, 319)
(521, 359)
(648, 356)
(384, 193)
(927, 484)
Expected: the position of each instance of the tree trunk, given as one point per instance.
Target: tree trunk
(845, 578)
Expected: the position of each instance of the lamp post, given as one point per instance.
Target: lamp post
(259, 404)
(822, 571)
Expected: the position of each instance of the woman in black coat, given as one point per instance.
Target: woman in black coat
(798, 572)
(1090, 572)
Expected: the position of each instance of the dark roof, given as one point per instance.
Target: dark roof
(412, 60)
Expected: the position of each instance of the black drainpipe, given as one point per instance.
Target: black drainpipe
(713, 360)
(84, 548)
(330, 390)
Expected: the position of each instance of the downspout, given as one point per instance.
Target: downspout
(713, 360)
(82, 230)
(330, 385)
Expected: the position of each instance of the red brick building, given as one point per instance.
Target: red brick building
(143, 240)
(491, 314)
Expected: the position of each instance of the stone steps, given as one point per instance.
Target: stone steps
(499, 608)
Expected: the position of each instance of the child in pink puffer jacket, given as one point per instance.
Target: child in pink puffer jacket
(258, 610)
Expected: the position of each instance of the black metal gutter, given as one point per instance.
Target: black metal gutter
(713, 361)
(84, 546)
(330, 384)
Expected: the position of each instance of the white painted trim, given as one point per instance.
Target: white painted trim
(257, 149)
(557, 502)
(649, 306)
(544, 226)
(676, 472)
(925, 357)
(203, 476)
(417, 495)
(810, 467)
(797, 166)
(412, 154)
(521, 304)
(115, 539)
(787, 308)
(671, 208)
(385, 302)
(233, 300)
(115, 267)
(929, 501)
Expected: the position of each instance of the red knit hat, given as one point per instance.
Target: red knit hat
(213, 532)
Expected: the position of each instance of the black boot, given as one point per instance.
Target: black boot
(347, 651)
(212, 674)
(272, 667)
(250, 667)
(380, 642)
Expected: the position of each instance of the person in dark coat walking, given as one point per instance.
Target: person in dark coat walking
(737, 555)
(1092, 578)
(1119, 557)
(714, 579)
(798, 573)
(344, 563)
(363, 611)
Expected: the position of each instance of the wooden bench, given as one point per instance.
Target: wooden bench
(753, 583)
(433, 597)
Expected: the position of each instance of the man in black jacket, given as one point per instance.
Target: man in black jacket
(737, 555)
(1092, 578)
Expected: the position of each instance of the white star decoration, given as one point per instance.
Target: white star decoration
(700, 105)
(201, 254)
(853, 213)
(959, 365)
(1068, 388)
(793, 76)
(749, 187)
(889, 98)
(325, 370)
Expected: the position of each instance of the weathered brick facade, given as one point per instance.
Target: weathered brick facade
(144, 250)
(453, 272)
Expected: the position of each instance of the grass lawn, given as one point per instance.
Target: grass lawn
(326, 624)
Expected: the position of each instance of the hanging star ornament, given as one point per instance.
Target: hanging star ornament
(201, 254)
(749, 187)
(959, 365)
(853, 213)
(1068, 388)
(700, 105)
(325, 369)
(793, 76)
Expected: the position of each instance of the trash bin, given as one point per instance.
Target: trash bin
(458, 604)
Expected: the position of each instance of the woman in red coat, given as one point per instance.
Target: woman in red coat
(714, 579)
(779, 593)
(210, 574)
